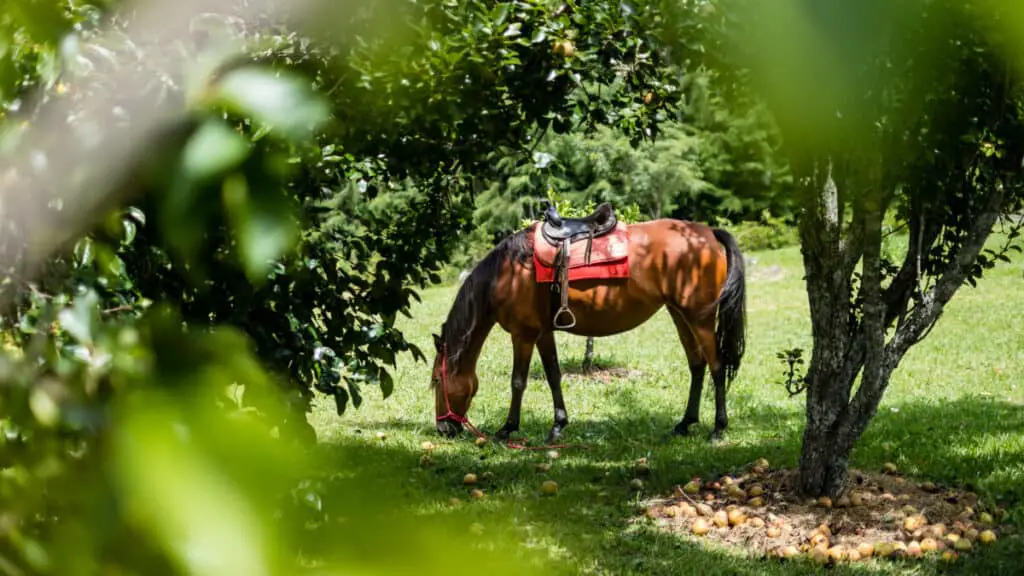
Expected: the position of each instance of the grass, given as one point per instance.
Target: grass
(954, 414)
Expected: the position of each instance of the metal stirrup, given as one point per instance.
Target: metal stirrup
(563, 273)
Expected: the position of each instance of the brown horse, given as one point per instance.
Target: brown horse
(690, 268)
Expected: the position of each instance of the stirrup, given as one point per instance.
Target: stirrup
(563, 310)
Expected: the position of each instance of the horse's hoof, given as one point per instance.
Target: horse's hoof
(682, 429)
(553, 437)
(716, 437)
(503, 435)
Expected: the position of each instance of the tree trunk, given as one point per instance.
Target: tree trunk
(588, 355)
(846, 346)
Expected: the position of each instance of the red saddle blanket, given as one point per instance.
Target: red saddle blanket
(609, 256)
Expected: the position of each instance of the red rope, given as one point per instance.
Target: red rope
(515, 444)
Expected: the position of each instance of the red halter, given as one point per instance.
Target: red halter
(451, 415)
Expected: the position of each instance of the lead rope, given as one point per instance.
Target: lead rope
(515, 444)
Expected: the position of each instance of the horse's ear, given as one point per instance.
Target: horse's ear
(437, 342)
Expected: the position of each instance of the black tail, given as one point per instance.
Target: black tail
(730, 334)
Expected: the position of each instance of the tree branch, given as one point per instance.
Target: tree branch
(927, 312)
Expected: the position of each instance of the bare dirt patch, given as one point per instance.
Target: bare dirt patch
(880, 515)
(603, 375)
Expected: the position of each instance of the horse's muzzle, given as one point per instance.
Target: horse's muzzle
(448, 428)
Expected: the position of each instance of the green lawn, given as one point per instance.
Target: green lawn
(954, 414)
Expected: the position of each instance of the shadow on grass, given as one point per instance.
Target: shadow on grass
(588, 527)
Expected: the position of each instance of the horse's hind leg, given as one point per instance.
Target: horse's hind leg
(553, 373)
(697, 368)
(704, 333)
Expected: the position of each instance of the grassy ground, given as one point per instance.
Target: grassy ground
(954, 414)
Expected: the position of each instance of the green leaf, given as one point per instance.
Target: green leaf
(81, 318)
(387, 384)
(83, 252)
(284, 101)
(129, 230)
(262, 224)
(213, 150)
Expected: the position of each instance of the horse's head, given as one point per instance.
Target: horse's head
(453, 391)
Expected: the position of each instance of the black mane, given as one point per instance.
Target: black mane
(473, 300)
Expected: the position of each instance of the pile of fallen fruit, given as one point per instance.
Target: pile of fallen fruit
(880, 515)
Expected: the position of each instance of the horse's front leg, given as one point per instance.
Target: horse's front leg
(553, 374)
(522, 350)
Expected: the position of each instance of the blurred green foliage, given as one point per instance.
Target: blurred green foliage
(315, 172)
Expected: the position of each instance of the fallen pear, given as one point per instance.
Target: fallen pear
(971, 535)
(755, 491)
(819, 539)
(789, 552)
(866, 549)
(914, 523)
(636, 484)
(550, 487)
(856, 499)
(737, 492)
(382, 435)
(736, 517)
(929, 487)
(929, 545)
(909, 510)
(819, 554)
(476, 493)
(824, 502)
(963, 545)
(705, 510)
(889, 468)
(774, 532)
(721, 519)
(914, 549)
(642, 468)
(853, 556)
(480, 441)
(700, 527)
(692, 487)
(454, 501)
(687, 510)
(487, 476)
(543, 467)
(756, 502)
(762, 463)
(756, 522)
(987, 537)
(949, 556)
(837, 553)
(426, 461)
(469, 479)
(427, 445)
(985, 518)
(553, 454)
(843, 502)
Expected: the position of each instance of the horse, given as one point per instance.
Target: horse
(689, 268)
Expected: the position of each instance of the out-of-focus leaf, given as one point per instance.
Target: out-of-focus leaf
(262, 224)
(282, 100)
(213, 150)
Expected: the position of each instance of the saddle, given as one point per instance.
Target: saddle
(562, 233)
